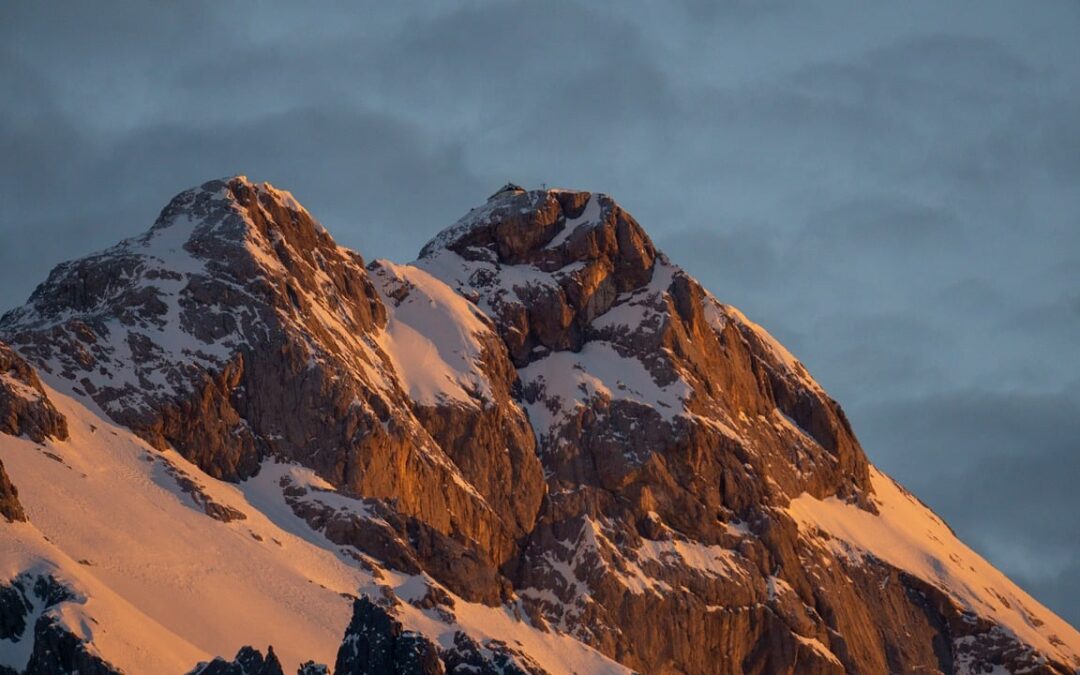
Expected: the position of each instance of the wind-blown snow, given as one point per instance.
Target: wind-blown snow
(112, 622)
(907, 535)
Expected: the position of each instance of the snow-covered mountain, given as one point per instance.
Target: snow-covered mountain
(540, 447)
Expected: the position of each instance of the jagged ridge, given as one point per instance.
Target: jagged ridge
(542, 414)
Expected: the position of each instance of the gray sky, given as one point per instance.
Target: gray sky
(892, 190)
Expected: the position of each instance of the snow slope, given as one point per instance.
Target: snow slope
(163, 586)
(910, 537)
(431, 336)
(167, 584)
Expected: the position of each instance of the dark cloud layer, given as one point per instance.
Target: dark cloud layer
(891, 191)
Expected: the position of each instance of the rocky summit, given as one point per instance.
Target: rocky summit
(541, 447)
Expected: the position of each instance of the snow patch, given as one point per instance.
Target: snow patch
(568, 381)
(431, 337)
(910, 537)
(590, 216)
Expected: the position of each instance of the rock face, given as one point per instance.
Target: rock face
(375, 643)
(248, 661)
(56, 650)
(709, 427)
(15, 607)
(236, 329)
(10, 508)
(542, 414)
(24, 407)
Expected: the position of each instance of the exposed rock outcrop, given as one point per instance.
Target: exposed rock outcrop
(58, 651)
(376, 644)
(24, 595)
(550, 231)
(492, 658)
(10, 508)
(25, 409)
(55, 649)
(15, 607)
(401, 542)
(248, 661)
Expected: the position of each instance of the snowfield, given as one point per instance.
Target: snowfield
(164, 586)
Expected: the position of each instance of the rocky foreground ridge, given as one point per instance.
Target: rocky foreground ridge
(540, 447)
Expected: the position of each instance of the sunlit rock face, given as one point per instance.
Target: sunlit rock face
(540, 447)
(235, 330)
(669, 426)
(24, 407)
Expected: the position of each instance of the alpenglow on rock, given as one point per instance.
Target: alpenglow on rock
(541, 447)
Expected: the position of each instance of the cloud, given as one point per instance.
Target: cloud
(890, 191)
(1003, 468)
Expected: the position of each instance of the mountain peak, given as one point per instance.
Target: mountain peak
(227, 267)
(229, 228)
(509, 187)
(237, 208)
(549, 229)
(512, 449)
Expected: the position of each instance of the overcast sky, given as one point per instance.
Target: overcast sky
(894, 191)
